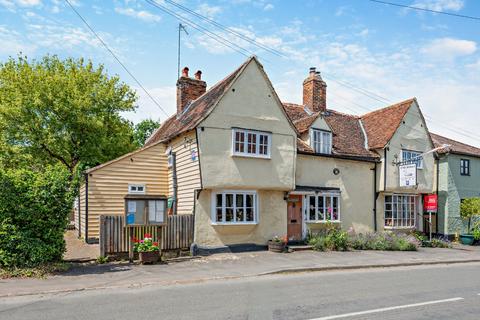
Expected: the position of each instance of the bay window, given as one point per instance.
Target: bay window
(251, 143)
(400, 211)
(322, 207)
(234, 207)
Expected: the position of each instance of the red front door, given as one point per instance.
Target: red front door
(294, 216)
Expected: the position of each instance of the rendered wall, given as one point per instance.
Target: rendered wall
(411, 135)
(272, 221)
(250, 104)
(356, 183)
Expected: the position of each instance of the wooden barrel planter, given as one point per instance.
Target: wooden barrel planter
(276, 246)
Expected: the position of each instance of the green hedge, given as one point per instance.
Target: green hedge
(34, 208)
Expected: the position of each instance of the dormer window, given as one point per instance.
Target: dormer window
(250, 143)
(321, 141)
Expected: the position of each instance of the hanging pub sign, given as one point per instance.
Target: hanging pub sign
(430, 203)
(408, 175)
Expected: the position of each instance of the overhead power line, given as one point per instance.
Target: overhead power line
(227, 29)
(202, 29)
(116, 58)
(426, 9)
(220, 39)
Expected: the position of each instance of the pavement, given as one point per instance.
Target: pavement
(87, 277)
(421, 292)
(78, 250)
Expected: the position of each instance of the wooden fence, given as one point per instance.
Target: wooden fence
(114, 236)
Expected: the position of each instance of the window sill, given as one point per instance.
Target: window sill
(251, 156)
(234, 223)
(323, 221)
(399, 228)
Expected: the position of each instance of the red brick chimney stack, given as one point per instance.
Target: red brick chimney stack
(189, 89)
(315, 91)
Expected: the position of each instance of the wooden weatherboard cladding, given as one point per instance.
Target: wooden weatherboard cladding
(108, 185)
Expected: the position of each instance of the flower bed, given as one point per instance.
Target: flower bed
(332, 239)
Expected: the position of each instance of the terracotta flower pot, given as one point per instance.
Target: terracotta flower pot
(149, 257)
(275, 246)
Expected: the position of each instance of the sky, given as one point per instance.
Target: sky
(371, 55)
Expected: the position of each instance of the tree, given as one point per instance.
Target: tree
(144, 129)
(64, 111)
(469, 208)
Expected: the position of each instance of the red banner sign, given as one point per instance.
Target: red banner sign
(430, 202)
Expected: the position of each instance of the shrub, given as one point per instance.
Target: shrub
(384, 241)
(440, 243)
(33, 216)
(330, 239)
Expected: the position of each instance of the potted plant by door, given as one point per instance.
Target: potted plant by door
(148, 250)
(277, 244)
(469, 208)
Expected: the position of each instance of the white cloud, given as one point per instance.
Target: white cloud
(268, 7)
(342, 10)
(13, 44)
(440, 5)
(207, 10)
(166, 98)
(12, 4)
(449, 48)
(138, 14)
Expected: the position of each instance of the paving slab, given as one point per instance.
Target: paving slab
(227, 266)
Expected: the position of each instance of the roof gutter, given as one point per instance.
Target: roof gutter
(337, 156)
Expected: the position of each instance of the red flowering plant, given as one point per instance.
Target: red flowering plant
(145, 245)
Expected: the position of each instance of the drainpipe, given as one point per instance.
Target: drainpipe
(375, 197)
(385, 169)
(86, 207)
(436, 192)
(174, 182)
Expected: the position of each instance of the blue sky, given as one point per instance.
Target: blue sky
(391, 52)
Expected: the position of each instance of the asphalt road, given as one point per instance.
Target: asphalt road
(435, 292)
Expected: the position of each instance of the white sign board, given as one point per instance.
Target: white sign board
(408, 175)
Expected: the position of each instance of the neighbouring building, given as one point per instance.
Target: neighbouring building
(139, 177)
(458, 178)
(250, 167)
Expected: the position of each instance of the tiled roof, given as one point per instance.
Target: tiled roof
(348, 139)
(195, 112)
(455, 146)
(380, 125)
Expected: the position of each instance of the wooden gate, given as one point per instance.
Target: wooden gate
(114, 237)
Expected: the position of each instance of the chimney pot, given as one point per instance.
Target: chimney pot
(189, 89)
(315, 91)
(185, 72)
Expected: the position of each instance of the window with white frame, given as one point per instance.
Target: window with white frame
(409, 157)
(136, 188)
(321, 141)
(400, 211)
(234, 207)
(322, 207)
(251, 143)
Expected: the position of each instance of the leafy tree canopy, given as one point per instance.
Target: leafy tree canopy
(63, 111)
(144, 129)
